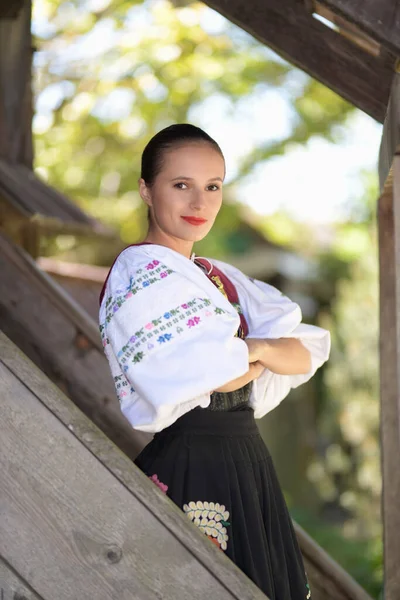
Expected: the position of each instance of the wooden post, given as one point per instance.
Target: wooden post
(389, 258)
(15, 85)
(391, 132)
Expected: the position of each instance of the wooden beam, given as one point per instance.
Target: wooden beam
(389, 259)
(12, 587)
(391, 133)
(9, 9)
(379, 18)
(79, 520)
(293, 33)
(63, 341)
(328, 580)
(15, 87)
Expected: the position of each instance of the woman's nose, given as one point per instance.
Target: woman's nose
(198, 200)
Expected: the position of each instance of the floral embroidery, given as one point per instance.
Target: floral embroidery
(193, 322)
(164, 338)
(163, 487)
(152, 265)
(121, 385)
(155, 272)
(211, 518)
(175, 319)
(308, 591)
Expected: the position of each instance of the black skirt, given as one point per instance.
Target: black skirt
(217, 469)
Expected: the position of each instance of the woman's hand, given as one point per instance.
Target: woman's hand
(256, 348)
(255, 370)
(284, 356)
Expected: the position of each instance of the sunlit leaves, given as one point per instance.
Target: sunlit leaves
(112, 73)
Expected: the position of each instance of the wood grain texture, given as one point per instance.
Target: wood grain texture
(389, 260)
(380, 19)
(34, 199)
(62, 340)
(291, 31)
(391, 133)
(99, 527)
(15, 83)
(12, 587)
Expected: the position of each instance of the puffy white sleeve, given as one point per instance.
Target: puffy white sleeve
(164, 340)
(271, 388)
(270, 314)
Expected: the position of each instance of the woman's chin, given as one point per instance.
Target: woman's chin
(193, 236)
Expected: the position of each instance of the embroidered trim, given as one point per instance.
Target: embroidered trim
(163, 487)
(211, 518)
(122, 386)
(226, 287)
(152, 273)
(162, 330)
(219, 284)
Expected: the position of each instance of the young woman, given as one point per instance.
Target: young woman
(198, 351)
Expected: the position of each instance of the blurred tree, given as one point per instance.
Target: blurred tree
(346, 471)
(110, 73)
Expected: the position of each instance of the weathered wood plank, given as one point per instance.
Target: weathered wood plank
(9, 9)
(58, 335)
(379, 19)
(15, 84)
(391, 133)
(328, 581)
(294, 34)
(27, 193)
(389, 259)
(12, 587)
(99, 528)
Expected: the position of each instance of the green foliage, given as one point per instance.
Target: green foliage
(350, 416)
(362, 559)
(109, 74)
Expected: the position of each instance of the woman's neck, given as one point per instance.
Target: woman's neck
(182, 246)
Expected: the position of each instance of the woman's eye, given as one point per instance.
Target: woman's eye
(180, 185)
(213, 187)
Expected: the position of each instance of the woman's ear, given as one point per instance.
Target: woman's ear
(145, 192)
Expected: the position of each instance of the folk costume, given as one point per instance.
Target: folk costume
(173, 331)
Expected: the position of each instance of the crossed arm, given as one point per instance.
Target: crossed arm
(284, 356)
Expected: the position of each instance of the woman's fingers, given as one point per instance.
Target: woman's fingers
(256, 368)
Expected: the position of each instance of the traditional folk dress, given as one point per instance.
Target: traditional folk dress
(173, 331)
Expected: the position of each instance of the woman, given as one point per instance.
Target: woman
(197, 351)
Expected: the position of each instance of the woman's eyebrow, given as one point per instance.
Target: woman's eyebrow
(191, 178)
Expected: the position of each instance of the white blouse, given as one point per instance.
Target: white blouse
(169, 335)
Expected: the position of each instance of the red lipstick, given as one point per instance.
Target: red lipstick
(194, 220)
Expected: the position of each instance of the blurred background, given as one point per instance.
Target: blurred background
(299, 213)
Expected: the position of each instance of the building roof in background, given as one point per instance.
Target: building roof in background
(33, 198)
(351, 47)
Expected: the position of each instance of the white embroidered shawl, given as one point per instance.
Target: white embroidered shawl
(169, 335)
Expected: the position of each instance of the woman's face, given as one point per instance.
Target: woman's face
(186, 195)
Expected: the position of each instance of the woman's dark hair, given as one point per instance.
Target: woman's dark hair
(164, 140)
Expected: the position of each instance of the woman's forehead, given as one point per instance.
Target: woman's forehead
(194, 159)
